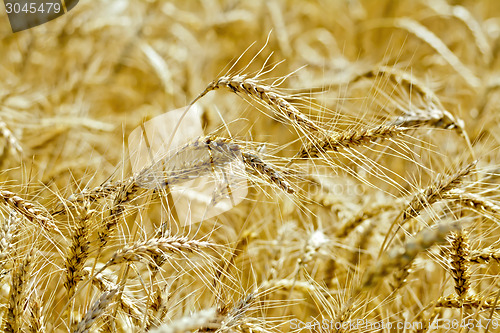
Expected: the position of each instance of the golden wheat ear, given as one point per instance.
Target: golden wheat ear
(267, 95)
(425, 198)
(402, 257)
(95, 312)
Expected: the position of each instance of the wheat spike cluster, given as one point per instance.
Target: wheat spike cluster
(252, 166)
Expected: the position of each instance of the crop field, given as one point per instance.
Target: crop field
(252, 166)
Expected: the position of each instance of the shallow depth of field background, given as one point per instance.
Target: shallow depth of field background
(72, 90)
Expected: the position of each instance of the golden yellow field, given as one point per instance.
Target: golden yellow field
(330, 166)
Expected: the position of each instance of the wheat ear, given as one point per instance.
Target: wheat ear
(463, 15)
(28, 210)
(427, 197)
(348, 139)
(369, 212)
(435, 191)
(402, 257)
(126, 303)
(126, 193)
(93, 194)
(267, 171)
(157, 247)
(12, 141)
(36, 319)
(219, 152)
(7, 239)
(78, 253)
(459, 256)
(484, 256)
(473, 201)
(437, 44)
(19, 281)
(401, 78)
(452, 301)
(191, 323)
(95, 311)
(241, 84)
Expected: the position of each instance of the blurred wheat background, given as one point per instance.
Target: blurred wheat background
(367, 132)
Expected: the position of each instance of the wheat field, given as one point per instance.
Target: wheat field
(252, 166)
